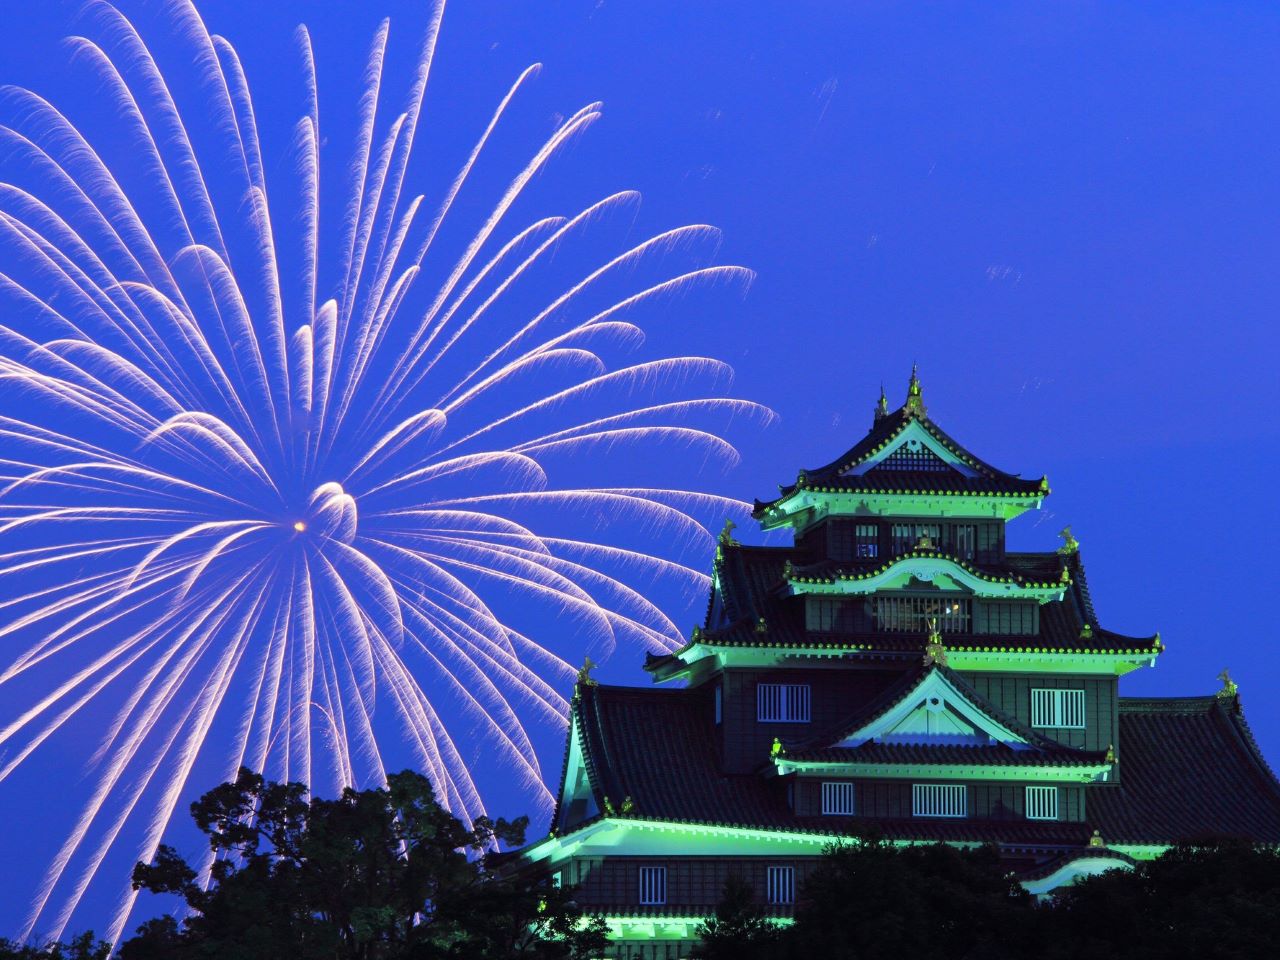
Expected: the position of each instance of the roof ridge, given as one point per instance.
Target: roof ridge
(1171, 704)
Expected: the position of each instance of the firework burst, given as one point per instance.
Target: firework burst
(301, 477)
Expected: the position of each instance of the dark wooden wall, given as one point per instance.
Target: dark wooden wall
(835, 695)
(691, 881)
(1011, 692)
(892, 799)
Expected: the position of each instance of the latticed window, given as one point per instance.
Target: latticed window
(1057, 708)
(852, 541)
(912, 456)
(837, 799)
(653, 885)
(782, 702)
(866, 541)
(1042, 803)
(1009, 617)
(964, 540)
(939, 800)
(907, 614)
(835, 614)
(782, 884)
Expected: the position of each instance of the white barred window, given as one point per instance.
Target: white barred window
(782, 884)
(782, 702)
(653, 885)
(939, 800)
(1042, 803)
(837, 799)
(1057, 708)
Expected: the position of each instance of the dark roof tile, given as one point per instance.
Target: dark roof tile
(1189, 767)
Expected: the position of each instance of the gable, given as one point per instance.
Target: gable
(935, 712)
(577, 799)
(915, 449)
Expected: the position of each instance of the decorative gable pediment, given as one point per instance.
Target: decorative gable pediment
(914, 449)
(577, 799)
(935, 712)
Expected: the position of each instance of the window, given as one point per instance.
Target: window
(782, 884)
(1057, 708)
(964, 537)
(719, 699)
(847, 540)
(653, 885)
(913, 456)
(907, 535)
(907, 614)
(837, 799)
(939, 800)
(782, 702)
(1010, 618)
(1042, 803)
(834, 614)
(988, 540)
(866, 541)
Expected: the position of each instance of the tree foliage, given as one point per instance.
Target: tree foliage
(84, 947)
(739, 930)
(372, 875)
(870, 899)
(1218, 898)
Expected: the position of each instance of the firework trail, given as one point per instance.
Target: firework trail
(262, 469)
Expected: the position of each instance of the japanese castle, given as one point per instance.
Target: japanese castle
(898, 668)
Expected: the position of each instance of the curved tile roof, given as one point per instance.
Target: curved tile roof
(1188, 768)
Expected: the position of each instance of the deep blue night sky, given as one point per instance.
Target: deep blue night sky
(1068, 214)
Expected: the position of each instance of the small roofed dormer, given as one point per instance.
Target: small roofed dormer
(906, 484)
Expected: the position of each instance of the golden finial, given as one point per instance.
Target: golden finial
(882, 405)
(1111, 753)
(924, 542)
(1070, 544)
(1096, 840)
(915, 397)
(1229, 687)
(628, 804)
(787, 570)
(934, 651)
(608, 808)
(777, 750)
(1086, 632)
(762, 626)
(726, 534)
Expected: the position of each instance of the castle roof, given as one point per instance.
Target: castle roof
(752, 583)
(866, 468)
(1189, 769)
(833, 746)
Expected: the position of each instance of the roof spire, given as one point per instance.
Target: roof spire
(882, 405)
(915, 399)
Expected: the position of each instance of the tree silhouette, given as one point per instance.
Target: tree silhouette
(371, 875)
